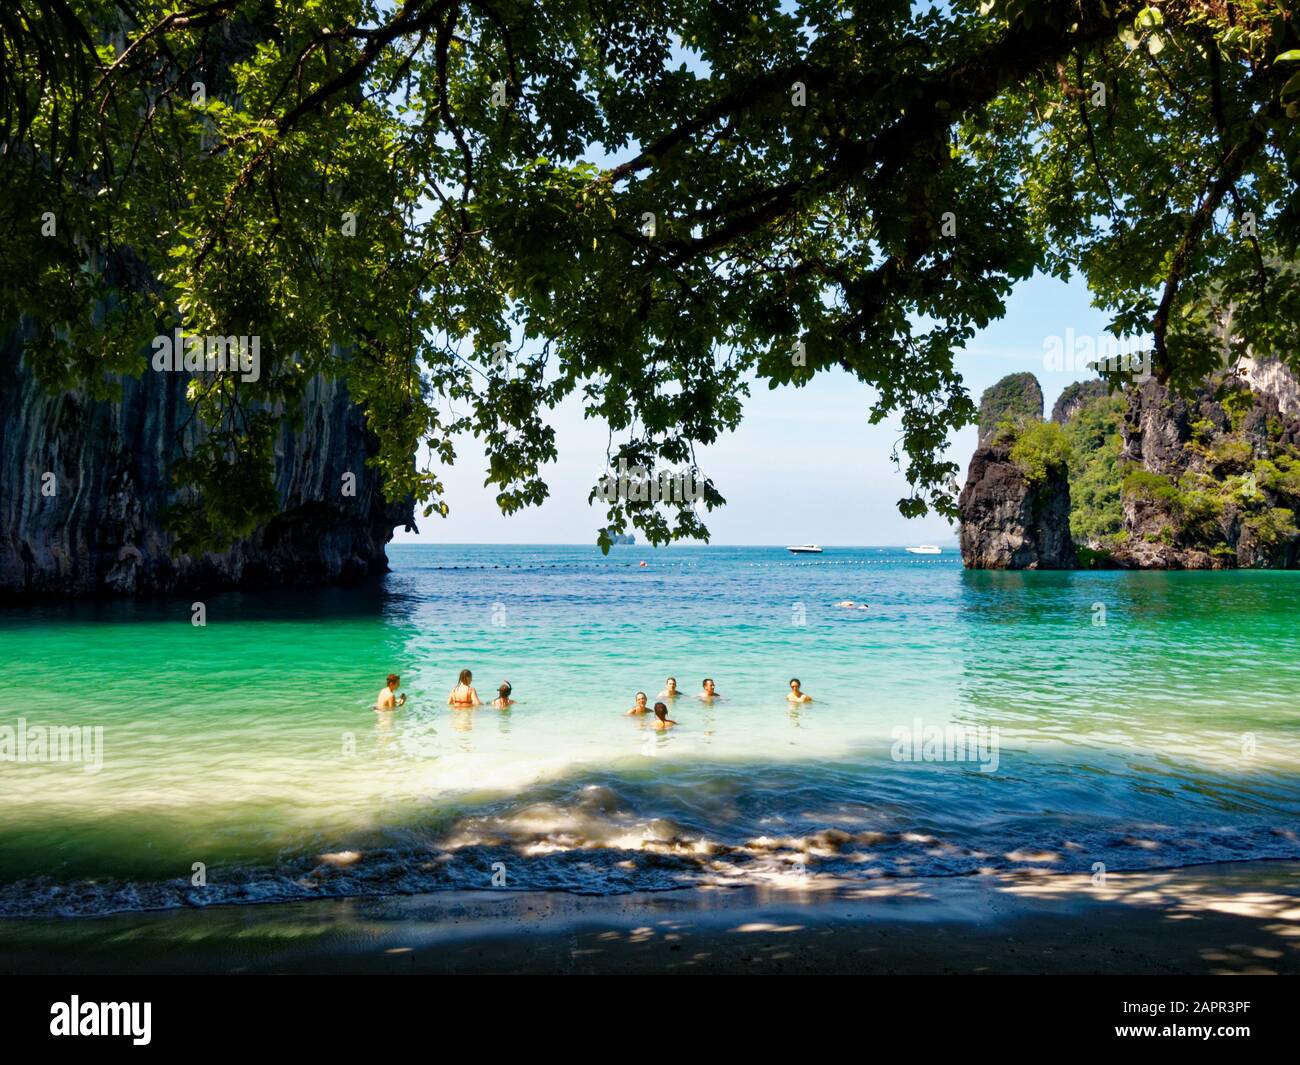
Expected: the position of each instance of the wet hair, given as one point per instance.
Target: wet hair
(466, 676)
(795, 680)
(661, 711)
(707, 680)
(393, 678)
(642, 695)
(505, 689)
(673, 679)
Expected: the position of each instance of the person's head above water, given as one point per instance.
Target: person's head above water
(671, 684)
(641, 698)
(394, 680)
(794, 684)
(505, 689)
(466, 676)
(708, 685)
(661, 711)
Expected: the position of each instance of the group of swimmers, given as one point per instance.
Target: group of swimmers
(464, 697)
(708, 693)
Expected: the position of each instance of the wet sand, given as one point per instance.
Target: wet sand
(1211, 919)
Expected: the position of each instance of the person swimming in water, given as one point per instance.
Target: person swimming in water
(386, 700)
(796, 695)
(662, 721)
(503, 700)
(710, 692)
(464, 694)
(670, 689)
(640, 707)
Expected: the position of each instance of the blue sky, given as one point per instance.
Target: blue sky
(804, 466)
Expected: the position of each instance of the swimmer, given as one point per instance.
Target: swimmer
(503, 700)
(386, 701)
(670, 689)
(640, 707)
(797, 696)
(662, 721)
(845, 604)
(464, 694)
(710, 692)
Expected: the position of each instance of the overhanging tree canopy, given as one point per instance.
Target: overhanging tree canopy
(472, 209)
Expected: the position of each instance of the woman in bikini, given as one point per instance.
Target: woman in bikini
(463, 694)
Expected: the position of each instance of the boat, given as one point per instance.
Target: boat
(924, 549)
(804, 549)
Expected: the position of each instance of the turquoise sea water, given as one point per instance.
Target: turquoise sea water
(1169, 735)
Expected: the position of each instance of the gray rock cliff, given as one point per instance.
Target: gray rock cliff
(1181, 442)
(94, 527)
(1075, 395)
(1008, 523)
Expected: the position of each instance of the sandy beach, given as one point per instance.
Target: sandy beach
(1229, 918)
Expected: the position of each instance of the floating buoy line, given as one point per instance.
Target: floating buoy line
(532, 566)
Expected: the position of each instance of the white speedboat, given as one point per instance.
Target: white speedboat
(804, 549)
(924, 549)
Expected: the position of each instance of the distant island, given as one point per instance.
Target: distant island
(620, 538)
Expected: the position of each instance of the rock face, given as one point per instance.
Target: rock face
(1075, 395)
(1156, 426)
(1206, 481)
(1008, 523)
(1273, 378)
(1179, 443)
(83, 483)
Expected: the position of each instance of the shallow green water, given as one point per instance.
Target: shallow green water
(1169, 735)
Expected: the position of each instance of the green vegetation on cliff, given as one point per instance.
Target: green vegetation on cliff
(1094, 435)
(1280, 474)
(1040, 449)
(1237, 496)
(1202, 509)
(1226, 493)
(1014, 400)
(1156, 478)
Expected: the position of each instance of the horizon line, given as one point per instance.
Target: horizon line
(691, 543)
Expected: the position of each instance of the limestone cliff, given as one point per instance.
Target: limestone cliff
(1016, 398)
(1272, 377)
(83, 483)
(1009, 523)
(1212, 480)
(1074, 397)
(1156, 480)
(1011, 517)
